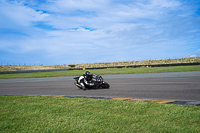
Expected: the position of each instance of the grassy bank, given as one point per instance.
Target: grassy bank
(61, 114)
(103, 71)
(108, 64)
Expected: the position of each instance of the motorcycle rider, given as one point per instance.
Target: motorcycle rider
(85, 78)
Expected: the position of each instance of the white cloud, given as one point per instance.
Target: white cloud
(15, 14)
(195, 53)
(112, 30)
(165, 3)
(87, 5)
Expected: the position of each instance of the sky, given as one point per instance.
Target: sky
(55, 32)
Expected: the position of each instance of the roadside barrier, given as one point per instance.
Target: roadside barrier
(31, 71)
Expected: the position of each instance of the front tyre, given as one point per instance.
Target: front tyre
(105, 85)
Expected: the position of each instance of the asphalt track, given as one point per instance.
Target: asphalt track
(179, 86)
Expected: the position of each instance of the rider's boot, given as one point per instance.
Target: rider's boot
(83, 86)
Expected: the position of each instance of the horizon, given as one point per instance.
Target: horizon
(24, 64)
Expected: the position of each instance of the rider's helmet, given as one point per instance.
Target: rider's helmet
(87, 73)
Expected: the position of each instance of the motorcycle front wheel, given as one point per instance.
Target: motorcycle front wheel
(105, 85)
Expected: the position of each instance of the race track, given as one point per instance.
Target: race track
(173, 86)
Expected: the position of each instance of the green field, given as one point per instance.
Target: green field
(61, 114)
(103, 71)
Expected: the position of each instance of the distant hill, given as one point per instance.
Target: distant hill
(108, 64)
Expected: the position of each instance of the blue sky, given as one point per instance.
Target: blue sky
(51, 32)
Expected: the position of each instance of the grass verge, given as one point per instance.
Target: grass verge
(103, 71)
(61, 114)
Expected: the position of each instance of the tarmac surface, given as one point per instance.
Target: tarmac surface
(174, 87)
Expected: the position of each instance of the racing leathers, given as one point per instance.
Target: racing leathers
(85, 80)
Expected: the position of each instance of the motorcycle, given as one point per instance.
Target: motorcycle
(96, 82)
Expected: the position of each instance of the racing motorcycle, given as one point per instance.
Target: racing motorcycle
(96, 82)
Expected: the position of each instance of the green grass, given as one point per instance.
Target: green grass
(103, 71)
(61, 114)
